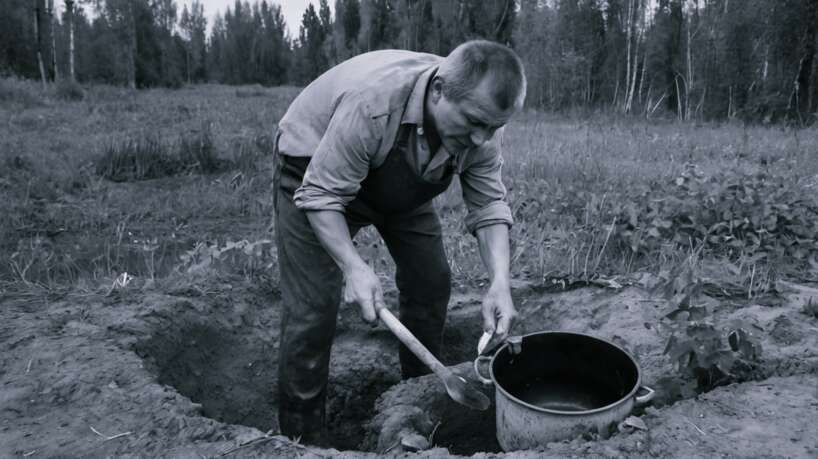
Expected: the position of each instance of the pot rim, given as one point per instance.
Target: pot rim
(615, 404)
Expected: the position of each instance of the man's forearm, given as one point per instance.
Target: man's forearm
(331, 228)
(494, 250)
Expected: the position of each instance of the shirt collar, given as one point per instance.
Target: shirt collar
(413, 114)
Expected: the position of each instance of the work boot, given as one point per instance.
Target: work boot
(304, 421)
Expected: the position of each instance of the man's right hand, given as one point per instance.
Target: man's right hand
(362, 287)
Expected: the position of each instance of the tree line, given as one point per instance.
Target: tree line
(694, 59)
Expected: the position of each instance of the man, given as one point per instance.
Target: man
(371, 142)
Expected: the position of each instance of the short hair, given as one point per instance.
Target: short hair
(466, 66)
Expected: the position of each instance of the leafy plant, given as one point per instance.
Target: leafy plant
(245, 257)
(736, 214)
(762, 222)
(699, 350)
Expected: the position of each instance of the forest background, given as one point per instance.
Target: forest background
(689, 59)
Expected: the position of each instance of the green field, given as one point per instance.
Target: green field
(160, 181)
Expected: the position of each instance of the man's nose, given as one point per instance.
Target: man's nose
(479, 137)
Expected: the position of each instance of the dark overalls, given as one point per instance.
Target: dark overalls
(399, 203)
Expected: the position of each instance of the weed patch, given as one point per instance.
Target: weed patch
(758, 219)
(197, 151)
(762, 215)
(136, 159)
(147, 157)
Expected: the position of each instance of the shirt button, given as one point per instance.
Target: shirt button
(420, 130)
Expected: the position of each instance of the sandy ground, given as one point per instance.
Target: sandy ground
(187, 369)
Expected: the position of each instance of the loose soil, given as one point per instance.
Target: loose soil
(187, 368)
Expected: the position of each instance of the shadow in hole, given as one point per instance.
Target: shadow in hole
(465, 432)
(231, 374)
(230, 368)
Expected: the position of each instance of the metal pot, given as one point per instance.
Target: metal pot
(552, 386)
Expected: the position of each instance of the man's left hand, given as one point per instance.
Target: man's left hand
(498, 310)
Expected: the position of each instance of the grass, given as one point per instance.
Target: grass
(69, 90)
(21, 93)
(571, 182)
(120, 180)
(147, 157)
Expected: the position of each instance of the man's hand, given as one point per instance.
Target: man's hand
(498, 311)
(362, 287)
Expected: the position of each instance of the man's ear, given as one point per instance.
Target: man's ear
(437, 89)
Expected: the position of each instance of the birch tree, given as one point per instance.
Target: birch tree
(801, 98)
(38, 44)
(69, 14)
(635, 25)
(52, 14)
(130, 27)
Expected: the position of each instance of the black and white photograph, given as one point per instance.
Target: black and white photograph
(409, 228)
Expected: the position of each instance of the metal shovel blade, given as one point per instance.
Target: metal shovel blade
(457, 388)
(461, 392)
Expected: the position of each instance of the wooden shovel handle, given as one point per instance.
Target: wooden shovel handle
(408, 339)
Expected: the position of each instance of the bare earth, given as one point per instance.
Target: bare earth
(186, 368)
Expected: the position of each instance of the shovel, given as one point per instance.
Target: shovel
(456, 387)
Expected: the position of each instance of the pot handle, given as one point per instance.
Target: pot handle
(477, 362)
(648, 396)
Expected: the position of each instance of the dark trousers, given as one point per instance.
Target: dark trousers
(311, 285)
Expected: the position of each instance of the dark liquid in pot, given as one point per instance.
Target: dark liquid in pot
(563, 395)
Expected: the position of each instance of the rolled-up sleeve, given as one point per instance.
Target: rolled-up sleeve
(483, 189)
(342, 158)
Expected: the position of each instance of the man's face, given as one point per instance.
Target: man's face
(468, 123)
